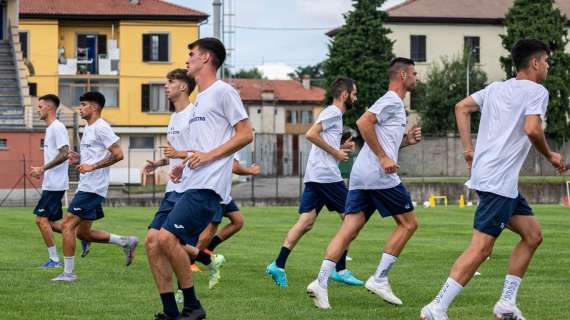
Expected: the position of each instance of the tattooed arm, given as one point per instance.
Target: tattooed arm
(59, 159)
(116, 155)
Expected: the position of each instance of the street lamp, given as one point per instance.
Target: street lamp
(470, 52)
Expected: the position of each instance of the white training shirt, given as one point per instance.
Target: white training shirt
(367, 173)
(502, 145)
(216, 110)
(56, 178)
(322, 167)
(178, 135)
(96, 140)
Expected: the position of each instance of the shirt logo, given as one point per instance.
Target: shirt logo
(173, 131)
(86, 145)
(177, 226)
(197, 119)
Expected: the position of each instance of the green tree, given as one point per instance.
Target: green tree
(252, 73)
(361, 50)
(445, 85)
(314, 72)
(539, 19)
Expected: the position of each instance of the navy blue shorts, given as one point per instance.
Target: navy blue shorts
(317, 195)
(192, 214)
(388, 202)
(226, 208)
(49, 205)
(494, 212)
(87, 206)
(166, 205)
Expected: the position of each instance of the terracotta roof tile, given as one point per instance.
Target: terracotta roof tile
(285, 90)
(115, 8)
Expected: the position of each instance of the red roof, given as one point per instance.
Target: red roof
(146, 9)
(291, 91)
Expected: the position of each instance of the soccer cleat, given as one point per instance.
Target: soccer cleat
(346, 277)
(430, 312)
(383, 290)
(129, 249)
(162, 316)
(507, 311)
(278, 274)
(319, 295)
(51, 264)
(179, 297)
(195, 268)
(193, 314)
(214, 270)
(85, 246)
(65, 277)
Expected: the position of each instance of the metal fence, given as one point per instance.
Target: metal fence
(435, 166)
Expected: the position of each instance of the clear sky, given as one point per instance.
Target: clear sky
(264, 35)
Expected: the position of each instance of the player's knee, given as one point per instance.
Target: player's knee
(84, 234)
(238, 223)
(534, 239)
(40, 221)
(151, 241)
(411, 226)
(164, 240)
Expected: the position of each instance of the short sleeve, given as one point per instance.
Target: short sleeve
(106, 136)
(479, 97)
(234, 111)
(328, 118)
(537, 102)
(61, 137)
(384, 110)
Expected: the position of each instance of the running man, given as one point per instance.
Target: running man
(99, 150)
(324, 185)
(512, 113)
(375, 185)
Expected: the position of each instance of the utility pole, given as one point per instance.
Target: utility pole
(217, 4)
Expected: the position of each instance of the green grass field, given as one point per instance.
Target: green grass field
(108, 290)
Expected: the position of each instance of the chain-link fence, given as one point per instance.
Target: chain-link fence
(434, 167)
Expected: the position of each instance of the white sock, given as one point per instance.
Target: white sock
(118, 240)
(68, 264)
(326, 269)
(52, 252)
(386, 262)
(510, 289)
(447, 294)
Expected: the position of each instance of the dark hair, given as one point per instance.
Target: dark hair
(212, 45)
(398, 64)
(93, 96)
(182, 75)
(51, 98)
(341, 84)
(526, 49)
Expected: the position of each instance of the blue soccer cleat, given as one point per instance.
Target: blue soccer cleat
(85, 246)
(346, 277)
(51, 264)
(278, 274)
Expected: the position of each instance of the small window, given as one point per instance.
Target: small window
(33, 89)
(155, 47)
(473, 47)
(306, 116)
(3, 144)
(141, 142)
(42, 141)
(418, 48)
(24, 44)
(154, 98)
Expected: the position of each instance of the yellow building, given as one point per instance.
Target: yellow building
(121, 48)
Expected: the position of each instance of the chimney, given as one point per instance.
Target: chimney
(136, 2)
(306, 82)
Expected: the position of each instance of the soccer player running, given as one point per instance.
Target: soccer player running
(375, 185)
(54, 171)
(324, 185)
(219, 127)
(512, 112)
(99, 150)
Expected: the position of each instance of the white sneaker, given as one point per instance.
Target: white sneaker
(214, 270)
(430, 312)
(129, 249)
(383, 290)
(66, 277)
(319, 295)
(507, 311)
